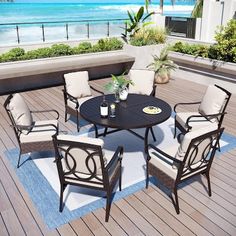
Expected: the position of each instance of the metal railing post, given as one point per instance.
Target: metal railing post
(108, 29)
(17, 33)
(43, 34)
(67, 32)
(88, 30)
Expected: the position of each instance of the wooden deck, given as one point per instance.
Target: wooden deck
(147, 212)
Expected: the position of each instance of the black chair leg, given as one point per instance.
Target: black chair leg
(147, 176)
(175, 130)
(96, 131)
(61, 198)
(66, 116)
(176, 201)
(209, 183)
(78, 126)
(105, 132)
(120, 180)
(18, 163)
(108, 206)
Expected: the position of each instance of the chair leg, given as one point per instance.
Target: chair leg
(96, 131)
(108, 206)
(175, 130)
(105, 132)
(153, 135)
(176, 200)
(78, 126)
(66, 118)
(120, 180)
(18, 163)
(209, 183)
(147, 176)
(63, 186)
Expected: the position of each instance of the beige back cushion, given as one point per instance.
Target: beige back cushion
(77, 84)
(80, 155)
(213, 101)
(143, 81)
(20, 111)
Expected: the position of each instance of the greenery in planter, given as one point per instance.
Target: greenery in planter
(224, 49)
(162, 66)
(149, 36)
(118, 83)
(18, 54)
(135, 23)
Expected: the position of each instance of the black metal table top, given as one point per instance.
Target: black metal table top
(129, 113)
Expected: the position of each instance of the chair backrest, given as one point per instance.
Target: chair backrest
(80, 160)
(143, 81)
(76, 84)
(19, 113)
(215, 101)
(197, 152)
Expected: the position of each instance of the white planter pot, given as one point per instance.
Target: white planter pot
(124, 94)
(143, 55)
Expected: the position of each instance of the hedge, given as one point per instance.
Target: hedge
(18, 54)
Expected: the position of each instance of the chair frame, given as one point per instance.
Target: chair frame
(74, 112)
(110, 173)
(30, 146)
(173, 184)
(218, 116)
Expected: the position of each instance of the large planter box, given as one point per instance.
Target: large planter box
(143, 55)
(204, 70)
(42, 73)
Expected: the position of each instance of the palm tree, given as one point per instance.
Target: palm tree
(197, 10)
(161, 4)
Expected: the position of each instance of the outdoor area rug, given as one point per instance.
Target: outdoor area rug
(40, 178)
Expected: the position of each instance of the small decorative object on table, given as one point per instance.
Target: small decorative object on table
(119, 85)
(151, 110)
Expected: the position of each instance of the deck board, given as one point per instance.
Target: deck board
(147, 212)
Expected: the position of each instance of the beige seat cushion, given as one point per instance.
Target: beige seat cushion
(213, 101)
(20, 112)
(39, 134)
(80, 155)
(143, 81)
(195, 122)
(80, 100)
(77, 84)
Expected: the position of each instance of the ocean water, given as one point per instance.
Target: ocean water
(26, 11)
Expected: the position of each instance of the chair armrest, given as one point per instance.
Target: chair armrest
(185, 103)
(44, 111)
(71, 98)
(162, 153)
(117, 157)
(96, 90)
(29, 127)
(207, 117)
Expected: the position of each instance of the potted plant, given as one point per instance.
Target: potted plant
(119, 85)
(162, 66)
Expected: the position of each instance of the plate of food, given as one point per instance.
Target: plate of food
(151, 110)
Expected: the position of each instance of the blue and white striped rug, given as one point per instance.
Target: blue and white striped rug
(40, 179)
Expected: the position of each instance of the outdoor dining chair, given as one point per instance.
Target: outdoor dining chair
(210, 111)
(32, 136)
(76, 91)
(143, 82)
(81, 161)
(177, 164)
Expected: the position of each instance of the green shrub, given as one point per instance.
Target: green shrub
(56, 50)
(149, 36)
(38, 53)
(84, 47)
(224, 49)
(14, 54)
(108, 44)
(61, 50)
